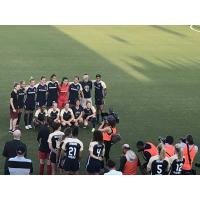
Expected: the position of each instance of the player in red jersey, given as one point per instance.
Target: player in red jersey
(63, 93)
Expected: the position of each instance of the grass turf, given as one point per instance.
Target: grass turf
(152, 74)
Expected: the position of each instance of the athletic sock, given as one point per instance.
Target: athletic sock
(93, 122)
(41, 169)
(49, 171)
(19, 117)
(30, 118)
(98, 118)
(26, 119)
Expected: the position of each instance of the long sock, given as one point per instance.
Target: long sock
(41, 169)
(19, 117)
(93, 122)
(30, 118)
(49, 171)
(98, 117)
(26, 119)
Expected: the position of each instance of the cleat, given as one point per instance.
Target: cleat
(93, 130)
(26, 127)
(30, 127)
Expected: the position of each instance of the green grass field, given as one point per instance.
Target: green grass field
(152, 74)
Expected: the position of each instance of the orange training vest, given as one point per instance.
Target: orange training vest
(153, 150)
(130, 168)
(170, 150)
(187, 165)
(108, 136)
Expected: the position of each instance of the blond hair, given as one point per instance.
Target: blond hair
(179, 151)
(161, 151)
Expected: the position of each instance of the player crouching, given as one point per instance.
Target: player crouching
(89, 115)
(40, 117)
(53, 114)
(67, 116)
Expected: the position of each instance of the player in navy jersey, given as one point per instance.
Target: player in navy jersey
(41, 92)
(89, 115)
(177, 161)
(87, 87)
(52, 91)
(54, 114)
(100, 93)
(30, 104)
(72, 149)
(21, 98)
(67, 116)
(75, 91)
(96, 154)
(78, 113)
(54, 141)
(40, 117)
(159, 164)
(14, 107)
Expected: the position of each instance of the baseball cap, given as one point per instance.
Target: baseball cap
(127, 146)
(21, 149)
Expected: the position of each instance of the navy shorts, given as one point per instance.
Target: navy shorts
(41, 103)
(20, 105)
(94, 166)
(71, 165)
(99, 101)
(50, 101)
(29, 106)
(53, 157)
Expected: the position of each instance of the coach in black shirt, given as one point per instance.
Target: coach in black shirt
(10, 149)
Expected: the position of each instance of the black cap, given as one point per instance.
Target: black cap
(21, 149)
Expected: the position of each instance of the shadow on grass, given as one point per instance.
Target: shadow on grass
(167, 30)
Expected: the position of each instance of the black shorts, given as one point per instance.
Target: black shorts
(53, 158)
(99, 101)
(50, 101)
(29, 106)
(71, 165)
(20, 105)
(94, 166)
(41, 103)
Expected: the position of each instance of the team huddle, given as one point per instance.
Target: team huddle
(58, 111)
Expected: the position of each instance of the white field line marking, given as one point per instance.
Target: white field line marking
(192, 28)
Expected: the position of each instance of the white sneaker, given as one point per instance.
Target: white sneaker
(93, 130)
(30, 127)
(26, 127)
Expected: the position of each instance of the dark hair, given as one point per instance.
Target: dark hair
(42, 77)
(111, 164)
(15, 85)
(140, 143)
(169, 139)
(190, 139)
(111, 121)
(77, 100)
(55, 126)
(98, 76)
(63, 79)
(21, 149)
(75, 131)
(68, 131)
(53, 75)
(31, 79)
(98, 136)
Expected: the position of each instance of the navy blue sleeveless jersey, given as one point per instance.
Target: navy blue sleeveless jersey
(74, 92)
(21, 97)
(41, 94)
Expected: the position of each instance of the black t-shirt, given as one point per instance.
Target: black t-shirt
(21, 94)
(77, 111)
(14, 96)
(41, 92)
(30, 94)
(87, 87)
(74, 91)
(43, 135)
(10, 148)
(52, 89)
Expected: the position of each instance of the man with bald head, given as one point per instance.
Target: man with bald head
(10, 149)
